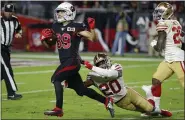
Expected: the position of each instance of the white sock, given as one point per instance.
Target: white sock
(149, 93)
(157, 101)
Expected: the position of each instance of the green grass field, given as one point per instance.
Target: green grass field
(38, 92)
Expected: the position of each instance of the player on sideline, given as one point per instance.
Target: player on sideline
(170, 42)
(69, 34)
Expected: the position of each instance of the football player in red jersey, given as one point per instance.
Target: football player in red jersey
(69, 33)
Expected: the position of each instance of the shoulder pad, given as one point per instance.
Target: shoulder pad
(162, 25)
(116, 66)
(79, 24)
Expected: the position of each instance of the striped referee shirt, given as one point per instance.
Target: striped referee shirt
(8, 28)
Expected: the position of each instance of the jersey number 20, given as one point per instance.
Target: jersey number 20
(113, 85)
(64, 41)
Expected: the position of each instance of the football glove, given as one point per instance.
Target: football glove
(153, 43)
(88, 65)
(91, 22)
(46, 33)
(48, 37)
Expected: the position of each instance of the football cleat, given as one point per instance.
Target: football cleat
(165, 113)
(55, 112)
(149, 114)
(14, 97)
(109, 106)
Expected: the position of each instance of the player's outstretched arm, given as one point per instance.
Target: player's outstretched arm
(90, 35)
(110, 73)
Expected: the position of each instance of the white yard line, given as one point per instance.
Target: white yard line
(34, 66)
(125, 66)
(85, 57)
(34, 72)
(20, 83)
(34, 91)
(174, 111)
(134, 85)
(50, 71)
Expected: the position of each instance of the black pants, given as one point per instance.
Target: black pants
(70, 74)
(7, 72)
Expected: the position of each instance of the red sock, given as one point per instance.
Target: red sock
(156, 90)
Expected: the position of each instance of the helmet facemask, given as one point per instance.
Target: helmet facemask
(158, 13)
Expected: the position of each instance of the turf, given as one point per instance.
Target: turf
(38, 94)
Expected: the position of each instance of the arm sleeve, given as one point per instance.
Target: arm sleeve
(161, 28)
(110, 73)
(81, 27)
(161, 42)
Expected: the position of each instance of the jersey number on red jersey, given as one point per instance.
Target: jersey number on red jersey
(64, 41)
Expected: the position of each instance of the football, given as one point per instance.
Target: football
(50, 41)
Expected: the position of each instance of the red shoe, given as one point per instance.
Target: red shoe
(55, 112)
(166, 113)
(109, 106)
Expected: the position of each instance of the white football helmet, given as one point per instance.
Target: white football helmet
(69, 13)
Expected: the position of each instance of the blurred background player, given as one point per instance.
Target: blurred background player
(11, 27)
(170, 42)
(108, 78)
(121, 33)
(69, 34)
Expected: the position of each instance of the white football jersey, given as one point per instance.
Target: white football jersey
(110, 86)
(173, 29)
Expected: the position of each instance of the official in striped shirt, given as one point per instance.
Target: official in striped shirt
(10, 27)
